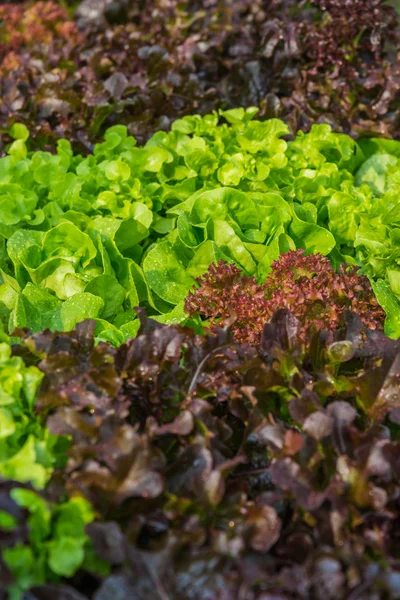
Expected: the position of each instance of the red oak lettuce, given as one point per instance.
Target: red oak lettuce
(306, 285)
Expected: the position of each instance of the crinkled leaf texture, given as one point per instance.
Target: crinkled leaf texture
(211, 464)
(132, 226)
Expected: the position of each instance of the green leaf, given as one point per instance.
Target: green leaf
(393, 277)
(310, 236)
(117, 170)
(129, 233)
(231, 173)
(273, 211)
(166, 274)
(66, 555)
(391, 306)
(372, 146)
(21, 560)
(263, 136)
(107, 332)
(230, 244)
(76, 309)
(40, 519)
(110, 291)
(236, 116)
(19, 131)
(342, 208)
(174, 317)
(374, 170)
(35, 309)
(190, 235)
(72, 517)
(205, 255)
(23, 466)
(7, 423)
(67, 240)
(16, 204)
(154, 158)
(129, 330)
(220, 203)
(7, 521)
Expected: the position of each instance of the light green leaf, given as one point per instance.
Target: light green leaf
(23, 466)
(165, 273)
(76, 309)
(230, 244)
(221, 202)
(67, 240)
(391, 306)
(174, 317)
(310, 236)
(110, 291)
(19, 131)
(129, 330)
(373, 172)
(7, 423)
(205, 255)
(66, 555)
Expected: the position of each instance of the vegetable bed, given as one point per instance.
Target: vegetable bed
(131, 225)
(199, 300)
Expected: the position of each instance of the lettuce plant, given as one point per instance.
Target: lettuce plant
(96, 236)
(28, 452)
(41, 541)
(23, 26)
(306, 285)
(347, 51)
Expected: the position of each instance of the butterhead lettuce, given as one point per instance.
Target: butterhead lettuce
(95, 237)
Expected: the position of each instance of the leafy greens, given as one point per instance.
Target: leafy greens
(41, 541)
(28, 451)
(96, 236)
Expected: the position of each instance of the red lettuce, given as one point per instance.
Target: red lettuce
(144, 64)
(306, 285)
(218, 469)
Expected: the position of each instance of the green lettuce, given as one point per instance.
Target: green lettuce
(127, 226)
(56, 546)
(28, 451)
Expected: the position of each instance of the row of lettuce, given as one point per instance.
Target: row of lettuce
(76, 68)
(94, 237)
(191, 466)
